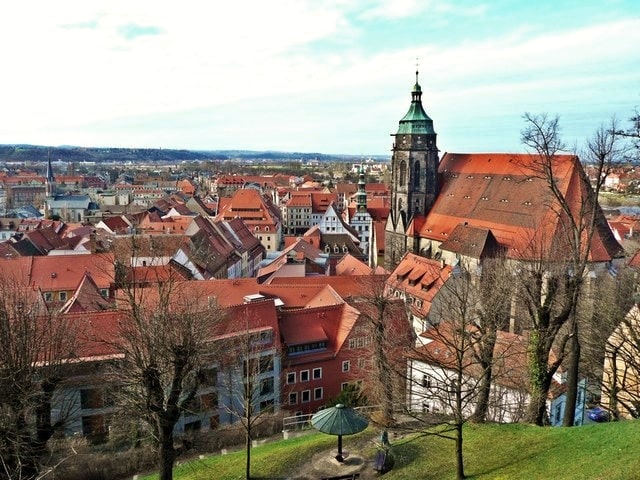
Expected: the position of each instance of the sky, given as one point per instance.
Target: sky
(328, 76)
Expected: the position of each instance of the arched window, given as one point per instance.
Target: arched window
(416, 174)
(403, 173)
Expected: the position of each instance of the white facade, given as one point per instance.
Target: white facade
(431, 389)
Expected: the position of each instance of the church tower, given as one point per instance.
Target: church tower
(414, 177)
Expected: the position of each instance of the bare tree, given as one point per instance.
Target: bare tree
(632, 134)
(387, 320)
(464, 367)
(552, 284)
(34, 346)
(612, 350)
(251, 370)
(164, 339)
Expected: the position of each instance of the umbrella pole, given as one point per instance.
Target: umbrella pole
(339, 456)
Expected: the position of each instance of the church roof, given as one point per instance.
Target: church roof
(504, 193)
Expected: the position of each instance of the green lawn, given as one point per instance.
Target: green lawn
(604, 451)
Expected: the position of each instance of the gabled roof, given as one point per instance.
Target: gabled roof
(420, 277)
(62, 272)
(117, 224)
(300, 251)
(504, 193)
(87, 298)
(471, 242)
(331, 324)
(350, 265)
(256, 210)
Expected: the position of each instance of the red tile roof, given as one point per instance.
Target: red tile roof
(504, 193)
(350, 265)
(420, 277)
(62, 272)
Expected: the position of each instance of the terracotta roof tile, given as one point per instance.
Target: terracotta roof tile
(504, 193)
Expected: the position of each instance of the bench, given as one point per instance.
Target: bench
(379, 461)
(351, 476)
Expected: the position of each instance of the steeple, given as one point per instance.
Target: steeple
(50, 180)
(416, 121)
(361, 195)
(414, 178)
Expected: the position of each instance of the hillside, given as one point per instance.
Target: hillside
(36, 153)
(601, 451)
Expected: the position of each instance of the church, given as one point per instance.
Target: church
(475, 205)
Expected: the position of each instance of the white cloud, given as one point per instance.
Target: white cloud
(70, 65)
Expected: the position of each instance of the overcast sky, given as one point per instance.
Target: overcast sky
(330, 76)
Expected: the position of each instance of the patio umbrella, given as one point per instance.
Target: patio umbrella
(339, 420)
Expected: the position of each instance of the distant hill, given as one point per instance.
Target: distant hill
(36, 153)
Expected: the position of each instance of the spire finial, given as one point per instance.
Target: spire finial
(417, 67)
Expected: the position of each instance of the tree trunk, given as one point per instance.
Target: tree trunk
(166, 452)
(459, 457)
(540, 379)
(482, 405)
(572, 379)
(248, 446)
(384, 371)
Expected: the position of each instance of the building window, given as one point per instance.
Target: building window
(306, 396)
(63, 296)
(266, 364)
(426, 381)
(293, 398)
(93, 424)
(317, 393)
(291, 378)
(48, 297)
(352, 343)
(266, 405)
(209, 377)
(104, 292)
(304, 376)
(266, 386)
(344, 385)
(91, 398)
(317, 373)
(346, 366)
(361, 362)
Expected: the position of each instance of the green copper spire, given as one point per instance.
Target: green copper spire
(416, 121)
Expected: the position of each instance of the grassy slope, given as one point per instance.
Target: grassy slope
(606, 451)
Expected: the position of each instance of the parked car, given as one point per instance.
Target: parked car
(598, 414)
